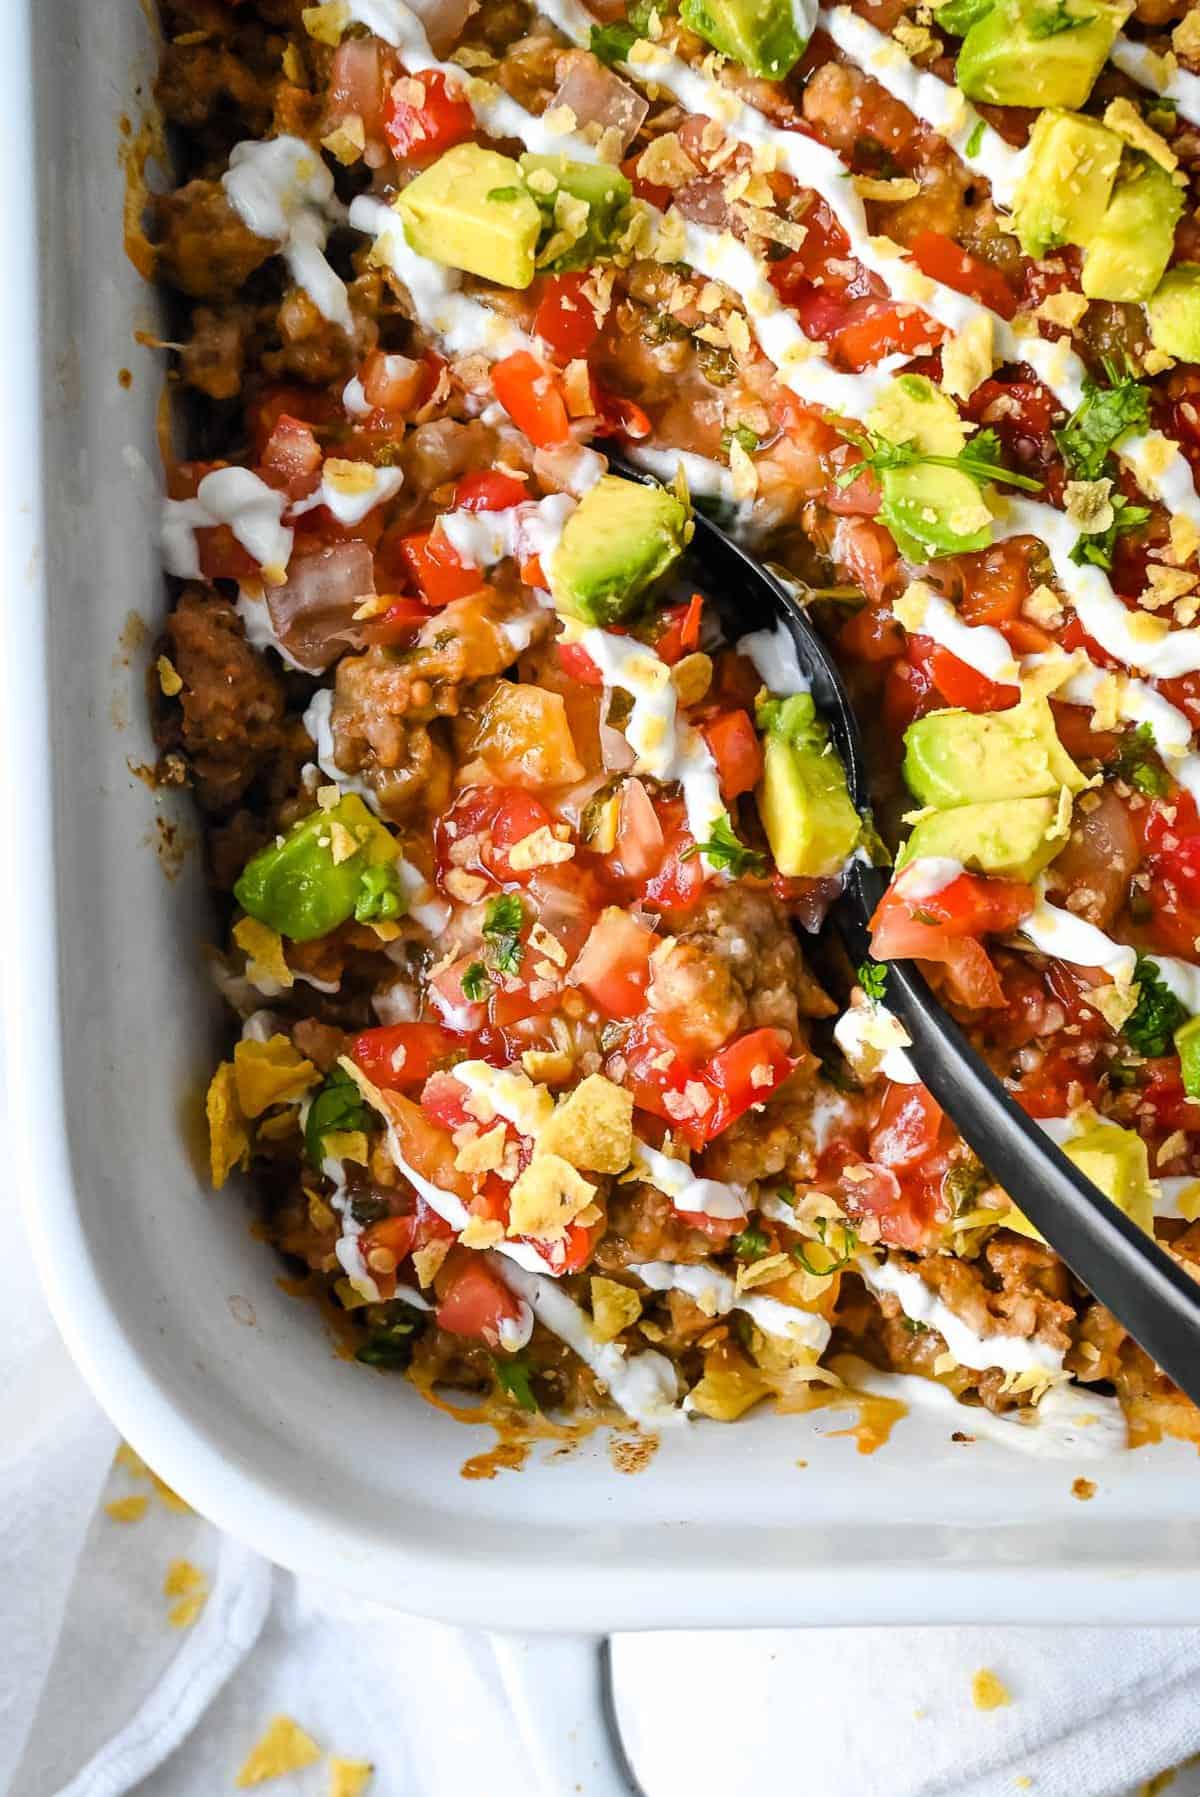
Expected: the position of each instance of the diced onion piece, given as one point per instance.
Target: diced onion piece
(598, 97)
(312, 614)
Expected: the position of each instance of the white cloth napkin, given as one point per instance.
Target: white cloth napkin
(100, 1695)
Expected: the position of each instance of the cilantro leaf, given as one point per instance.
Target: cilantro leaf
(838, 1257)
(379, 895)
(502, 924)
(475, 983)
(959, 16)
(612, 43)
(1103, 417)
(975, 141)
(1049, 21)
(1138, 764)
(1097, 551)
(513, 1377)
(338, 1106)
(980, 458)
(739, 433)
(390, 1343)
(1157, 1015)
(726, 851)
(793, 720)
(751, 1244)
(872, 977)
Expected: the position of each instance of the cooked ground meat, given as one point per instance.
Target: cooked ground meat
(204, 249)
(232, 702)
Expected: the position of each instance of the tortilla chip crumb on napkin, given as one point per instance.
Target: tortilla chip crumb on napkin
(186, 1582)
(283, 1748)
(348, 1778)
(128, 1509)
(987, 1691)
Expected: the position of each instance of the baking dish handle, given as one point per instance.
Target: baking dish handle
(561, 1695)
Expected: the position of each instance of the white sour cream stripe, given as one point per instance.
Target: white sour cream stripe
(236, 497)
(1059, 933)
(1011, 1353)
(282, 190)
(1140, 63)
(717, 1294)
(521, 531)
(707, 1197)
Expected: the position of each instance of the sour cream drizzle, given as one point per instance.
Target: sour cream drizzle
(1140, 63)
(531, 528)
(236, 497)
(707, 1197)
(645, 1386)
(1057, 932)
(1013, 1354)
(1069, 1423)
(281, 189)
(717, 1294)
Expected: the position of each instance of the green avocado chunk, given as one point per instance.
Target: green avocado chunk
(963, 757)
(1073, 163)
(1115, 1159)
(1174, 313)
(1012, 838)
(621, 537)
(331, 866)
(471, 210)
(604, 190)
(767, 37)
(1127, 257)
(802, 799)
(1187, 1047)
(1038, 52)
(933, 511)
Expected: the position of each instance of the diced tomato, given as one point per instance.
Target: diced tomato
(680, 634)
(444, 1102)
(880, 328)
(995, 583)
(403, 1054)
(619, 416)
(614, 965)
(1162, 1090)
(974, 906)
(744, 1073)
(943, 928)
(532, 398)
(309, 405)
(398, 623)
(942, 260)
(434, 567)
(908, 693)
(872, 634)
(576, 662)
(679, 882)
(906, 1211)
(222, 557)
(417, 132)
(565, 318)
(650, 191)
(400, 1236)
(489, 491)
(459, 1012)
(649, 1066)
(638, 850)
(958, 682)
(1059, 1084)
(477, 1303)
(907, 1127)
(292, 452)
(734, 745)
(497, 817)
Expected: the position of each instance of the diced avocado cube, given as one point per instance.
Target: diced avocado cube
(471, 210)
(1127, 257)
(621, 537)
(912, 410)
(1073, 163)
(1187, 1047)
(331, 866)
(805, 808)
(604, 190)
(1174, 313)
(963, 757)
(958, 16)
(932, 512)
(1038, 52)
(768, 37)
(1012, 838)
(1115, 1159)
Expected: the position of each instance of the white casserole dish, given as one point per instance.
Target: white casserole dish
(154, 1282)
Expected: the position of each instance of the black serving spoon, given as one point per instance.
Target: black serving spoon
(1119, 1263)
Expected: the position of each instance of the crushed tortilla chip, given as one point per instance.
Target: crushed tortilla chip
(1123, 117)
(168, 676)
(171, 1499)
(615, 1307)
(271, 1072)
(131, 1460)
(349, 1778)
(547, 1197)
(592, 1128)
(183, 1614)
(182, 1576)
(969, 358)
(228, 1137)
(263, 948)
(128, 1509)
(326, 23)
(284, 1748)
(988, 1692)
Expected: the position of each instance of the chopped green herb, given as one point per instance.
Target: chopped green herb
(337, 1107)
(1098, 550)
(513, 1377)
(962, 1185)
(390, 1343)
(975, 141)
(727, 852)
(380, 895)
(981, 459)
(1050, 21)
(838, 1258)
(475, 983)
(751, 1244)
(913, 1325)
(1157, 1015)
(612, 43)
(502, 924)
(506, 193)
(959, 16)
(740, 433)
(716, 365)
(1103, 417)
(872, 977)
(1139, 766)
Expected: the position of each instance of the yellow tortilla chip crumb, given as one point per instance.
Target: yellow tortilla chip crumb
(182, 1576)
(228, 1137)
(271, 1072)
(171, 1499)
(128, 1509)
(131, 1460)
(347, 1145)
(614, 1307)
(988, 1692)
(1123, 117)
(326, 23)
(168, 676)
(183, 1614)
(969, 358)
(284, 1748)
(547, 1197)
(348, 1778)
(592, 1128)
(263, 949)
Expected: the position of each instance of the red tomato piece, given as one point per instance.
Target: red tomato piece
(532, 398)
(403, 1054)
(613, 967)
(734, 745)
(565, 319)
(444, 1101)
(681, 630)
(398, 623)
(434, 567)
(942, 260)
(880, 328)
(489, 491)
(906, 1129)
(680, 879)
(417, 132)
(958, 682)
(744, 1073)
(477, 1303)
(292, 451)
(498, 817)
(575, 661)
